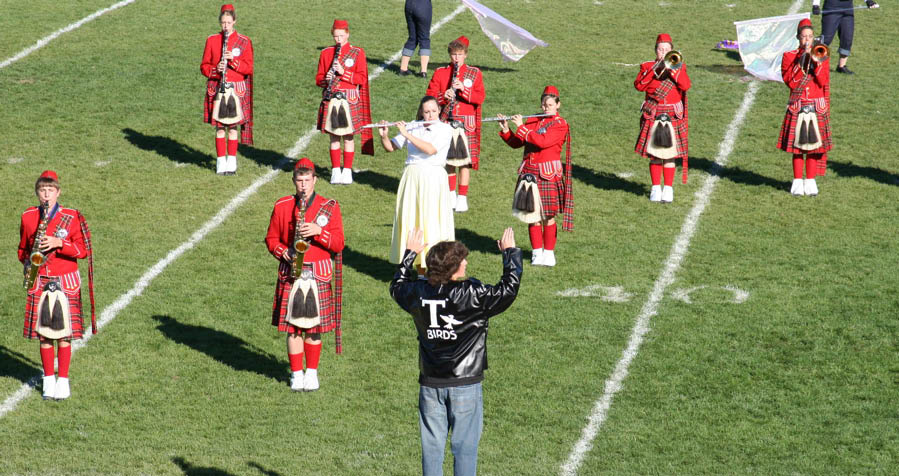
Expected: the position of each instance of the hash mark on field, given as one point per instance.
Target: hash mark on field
(124, 300)
(606, 293)
(102, 163)
(15, 160)
(683, 295)
(624, 175)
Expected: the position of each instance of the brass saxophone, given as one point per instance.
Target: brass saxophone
(37, 259)
(300, 245)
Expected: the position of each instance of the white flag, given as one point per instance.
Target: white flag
(763, 42)
(513, 41)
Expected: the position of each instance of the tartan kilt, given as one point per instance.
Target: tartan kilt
(326, 308)
(240, 88)
(31, 311)
(355, 101)
(788, 132)
(474, 139)
(680, 129)
(551, 191)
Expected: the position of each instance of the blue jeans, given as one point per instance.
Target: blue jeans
(441, 409)
(418, 22)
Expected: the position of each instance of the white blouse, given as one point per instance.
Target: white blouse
(438, 134)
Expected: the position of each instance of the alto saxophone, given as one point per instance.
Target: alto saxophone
(37, 259)
(300, 245)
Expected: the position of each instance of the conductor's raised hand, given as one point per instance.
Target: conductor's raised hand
(507, 241)
(415, 241)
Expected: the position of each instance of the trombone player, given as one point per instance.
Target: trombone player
(806, 126)
(663, 117)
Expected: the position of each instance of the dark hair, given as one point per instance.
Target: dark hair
(443, 261)
(303, 171)
(42, 181)
(420, 115)
(456, 45)
(543, 98)
(807, 27)
(228, 12)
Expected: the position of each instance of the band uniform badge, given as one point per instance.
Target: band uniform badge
(321, 221)
(349, 62)
(661, 142)
(235, 52)
(303, 306)
(53, 318)
(808, 136)
(467, 82)
(62, 233)
(526, 204)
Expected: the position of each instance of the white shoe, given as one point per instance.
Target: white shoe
(453, 199)
(811, 188)
(62, 389)
(310, 382)
(655, 193)
(461, 203)
(347, 176)
(49, 387)
(231, 164)
(221, 165)
(537, 257)
(798, 188)
(336, 176)
(296, 381)
(667, 194)
(548, 258)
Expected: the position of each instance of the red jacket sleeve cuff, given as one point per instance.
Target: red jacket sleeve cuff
(347, 76)
(279, 250)
(522, 132)
(324, 238)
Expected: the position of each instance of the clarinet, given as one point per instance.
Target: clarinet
(222, 82)
(452, 103)
(329, 92)
(37, 259)
(300, 245)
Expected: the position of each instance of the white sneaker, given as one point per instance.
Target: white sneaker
(811, 188)
(548, 258)
(655, 193)
(336, 176)
(537, 257)
(667, 194)
(221, 165)
(310, 382)
(347, 176)
(296, 381)
(49, 387)
(461, 203)
(62, 389)
(798, 188)
(453, 199)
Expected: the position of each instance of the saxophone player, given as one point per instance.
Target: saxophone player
(52, 239)
(306, 304)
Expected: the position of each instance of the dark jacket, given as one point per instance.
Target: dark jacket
(451, 319)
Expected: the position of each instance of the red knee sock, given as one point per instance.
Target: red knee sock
(452, 182)
(797, 166)
(463, 189)
(811, 167)
(296, 362)
(47, 361)
(313, 352)
(549, 237)
(232, 147)
(348, 159)
(65, 357)
(335, 158)
(669, 175)
(220, 147)
(655, 173)
(535, 233)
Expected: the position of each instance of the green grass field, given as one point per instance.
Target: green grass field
(190, 377)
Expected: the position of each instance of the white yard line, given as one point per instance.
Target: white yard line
(52, 36)
(124, 300)
(666, 278)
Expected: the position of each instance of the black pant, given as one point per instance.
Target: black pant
(418, 21)
(842, 23)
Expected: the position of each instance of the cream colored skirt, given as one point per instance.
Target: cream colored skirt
(422, 201)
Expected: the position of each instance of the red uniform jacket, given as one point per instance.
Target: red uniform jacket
(65, 225)
(468, 99)
(541, 137)
(648, 82)
(793, 73)
(354, 78)
(238, 68)
(281, 232)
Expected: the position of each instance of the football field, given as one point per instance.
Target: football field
(737, 330)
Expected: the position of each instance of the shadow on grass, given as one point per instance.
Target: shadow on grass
(17, 366)
(222, 347)
(378, 181)
(848, 169)
(266, 472)
(606, 181)
(737, 174)
(377, 268)
(191, 470)
(475, 241)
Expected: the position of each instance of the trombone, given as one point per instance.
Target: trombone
(673, 59)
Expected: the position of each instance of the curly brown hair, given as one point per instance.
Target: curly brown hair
(443, 261)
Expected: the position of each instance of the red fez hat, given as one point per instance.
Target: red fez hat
(551, 90)
(49, 174)
(462, 39)
(304, 163)
(663, 38)
(804, 23)
(340, 25)
(227, 8)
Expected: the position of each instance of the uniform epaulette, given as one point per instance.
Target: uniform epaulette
(289, 197)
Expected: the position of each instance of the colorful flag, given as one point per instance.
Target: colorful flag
(512, 41)
(763, 42)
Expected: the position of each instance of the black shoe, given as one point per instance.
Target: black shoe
(844, 70)
(405, 73)
(423, 74)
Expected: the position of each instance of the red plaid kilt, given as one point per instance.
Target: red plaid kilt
(788, 132)
(474, 138)
(326, 307)
(680, 129)
(551, 191)
(240, 89)
(31, 314)
(356, 109)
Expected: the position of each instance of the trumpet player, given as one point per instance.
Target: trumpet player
(52, 239)
(663, 117)
(315, 220)
(805, 131)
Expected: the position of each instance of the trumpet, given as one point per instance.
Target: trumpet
(673, 59)
(820, 51)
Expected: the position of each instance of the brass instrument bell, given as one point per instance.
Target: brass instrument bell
(673, 59)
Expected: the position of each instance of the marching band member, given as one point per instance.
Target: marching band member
(230, 75)
(806, 125)
(663, 118)
(422, 198)
(459, 90)
(305, 304)
(52, 239)
(542, 139)
(344, 83)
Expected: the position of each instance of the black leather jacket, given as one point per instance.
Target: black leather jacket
(451, 319)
